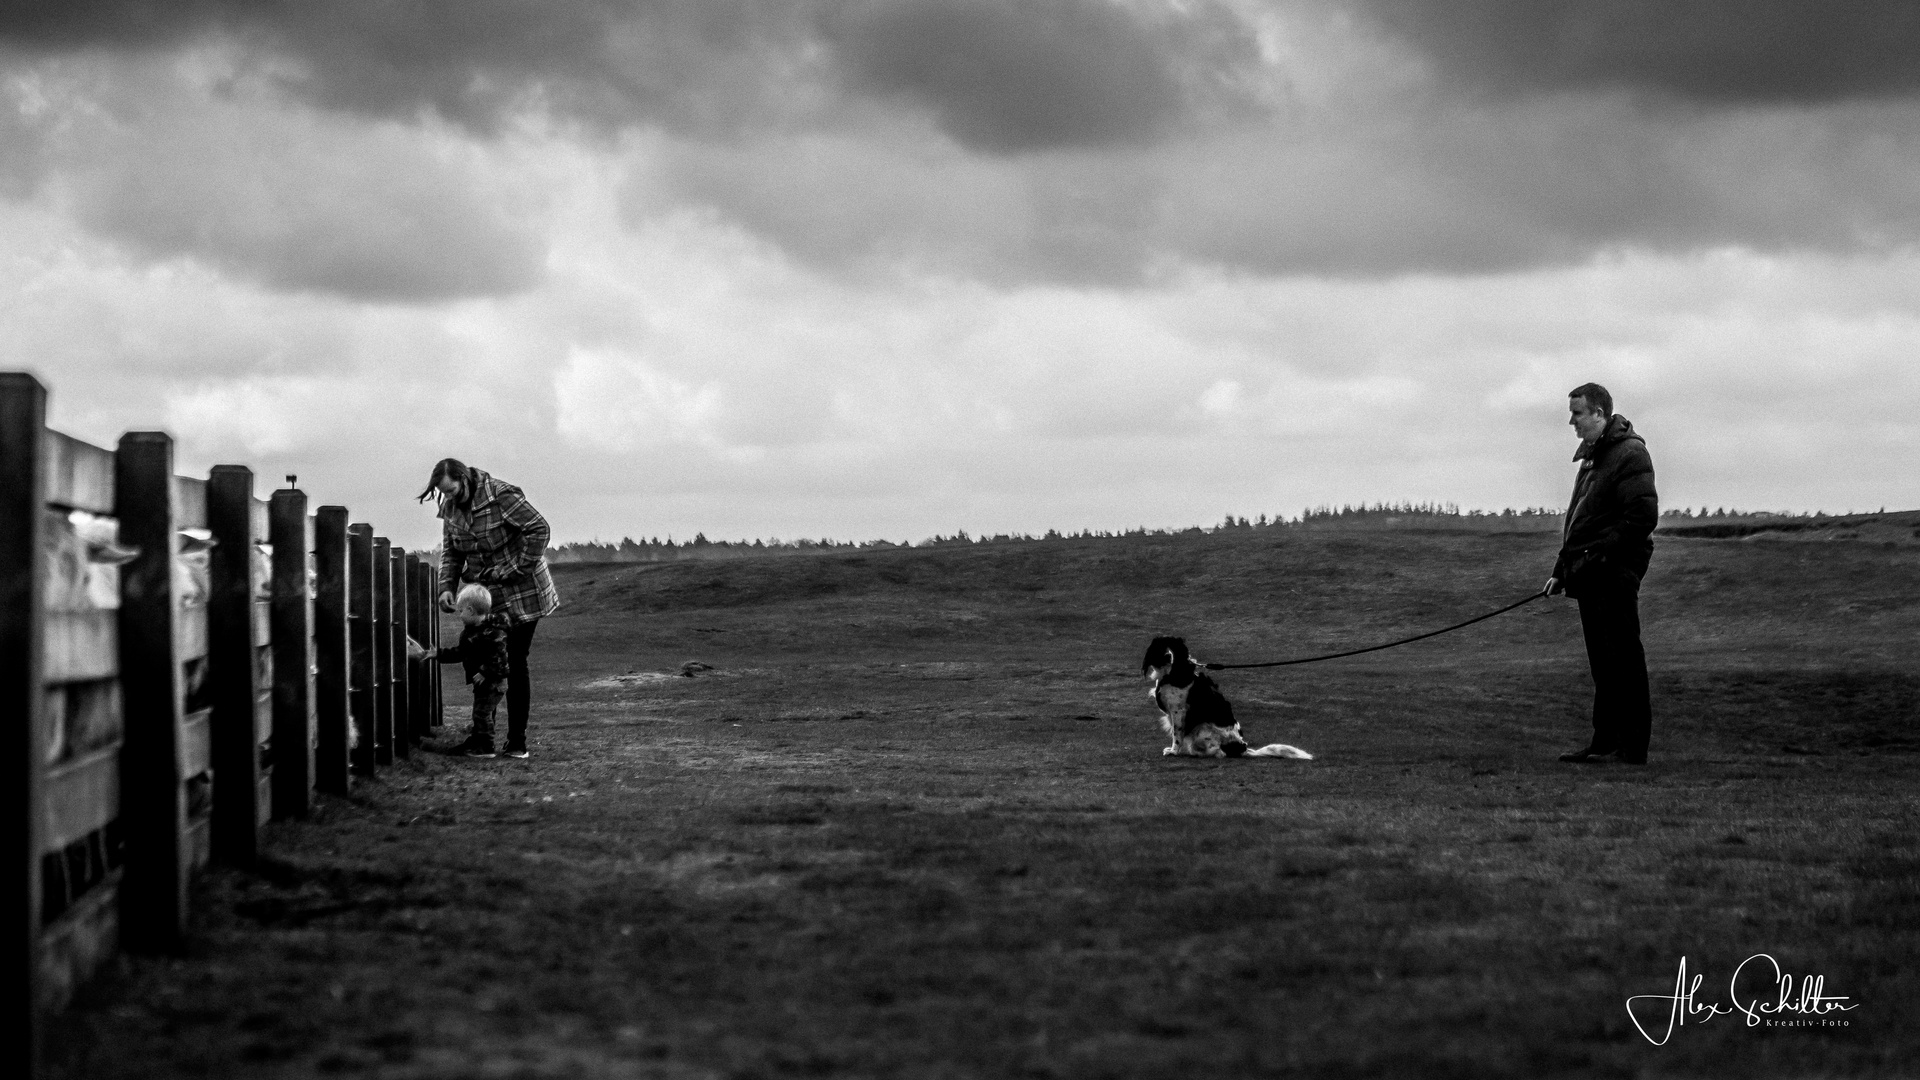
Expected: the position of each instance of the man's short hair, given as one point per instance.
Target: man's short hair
(1596, 395)
(476, 596)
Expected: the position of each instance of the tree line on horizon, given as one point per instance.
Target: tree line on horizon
(1378, 515)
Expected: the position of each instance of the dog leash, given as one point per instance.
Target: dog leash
(1389, 645)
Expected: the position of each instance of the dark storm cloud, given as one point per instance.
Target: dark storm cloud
(1710, 51)
(998, 75)
(413, 242)
(683, 62)
(1007, 76)
(68, 24)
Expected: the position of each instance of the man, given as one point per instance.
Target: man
(1604, 551)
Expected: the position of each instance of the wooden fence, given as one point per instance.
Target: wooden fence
(180, 662)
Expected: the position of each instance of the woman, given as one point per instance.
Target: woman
(492, 535)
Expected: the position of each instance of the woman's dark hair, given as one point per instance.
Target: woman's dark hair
(455, 468)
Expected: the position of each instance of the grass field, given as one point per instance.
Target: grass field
(915, 823)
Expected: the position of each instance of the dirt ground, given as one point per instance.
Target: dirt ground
(915, 822)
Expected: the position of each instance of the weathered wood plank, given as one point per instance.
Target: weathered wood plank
(259, 520)
(199, 843)
(263, 716)
(191, 633)
(77, 942)
(196, 744)
(79, 475)
(189, 503)
(81, 795)
(80, 645)
(263, 622)
(83, 717)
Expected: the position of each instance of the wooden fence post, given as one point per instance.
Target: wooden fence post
(436, 672)
(293, 713)
(333, 717)
(360, 618)
(417, 630)
(382, 622)
(23, 410)
(231, 669)
(154, 758)
(397, 659)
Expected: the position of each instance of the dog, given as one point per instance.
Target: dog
(1194, 713)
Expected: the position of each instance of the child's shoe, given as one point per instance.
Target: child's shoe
(478, 746)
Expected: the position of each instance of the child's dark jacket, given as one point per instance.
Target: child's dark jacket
(482, 650)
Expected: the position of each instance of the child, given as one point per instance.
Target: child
(482, 650)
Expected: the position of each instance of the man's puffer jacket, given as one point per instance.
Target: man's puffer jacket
(1608, 540)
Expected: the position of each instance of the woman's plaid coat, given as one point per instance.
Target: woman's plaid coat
(499, 540)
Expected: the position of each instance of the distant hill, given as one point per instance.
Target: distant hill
(1704, 524)
(1377, 516)
(1888, 525)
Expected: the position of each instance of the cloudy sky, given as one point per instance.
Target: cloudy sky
(886, 269)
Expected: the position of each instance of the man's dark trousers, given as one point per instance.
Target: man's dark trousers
(1622, 703)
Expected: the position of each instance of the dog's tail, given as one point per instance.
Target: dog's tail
(1279, 750)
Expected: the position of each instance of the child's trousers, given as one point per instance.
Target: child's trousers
(486, 701)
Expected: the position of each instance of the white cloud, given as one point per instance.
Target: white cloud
(615, 402)
(251, 417)
(1221, 397)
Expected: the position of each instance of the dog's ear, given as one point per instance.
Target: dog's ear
(1162, 652)
(1155, 650)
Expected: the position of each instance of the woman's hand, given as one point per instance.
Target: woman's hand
(446, 601)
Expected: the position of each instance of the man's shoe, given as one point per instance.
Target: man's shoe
(1588, 756)
(519, 752)
(1630, 759)
(475, 748)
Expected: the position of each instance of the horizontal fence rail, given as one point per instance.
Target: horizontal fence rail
(190, 662)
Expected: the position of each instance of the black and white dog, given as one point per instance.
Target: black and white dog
(1195, 714)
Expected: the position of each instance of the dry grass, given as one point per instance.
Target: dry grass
(916, 824)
